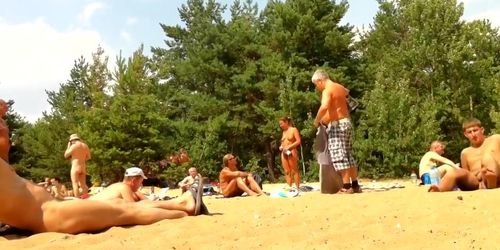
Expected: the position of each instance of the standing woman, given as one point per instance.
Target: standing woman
(290, 140)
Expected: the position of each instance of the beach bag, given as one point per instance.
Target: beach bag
(258, 179)
(352, 104)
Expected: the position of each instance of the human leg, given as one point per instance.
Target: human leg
(243, 185)
(74, 182)
(340, 147)
(447, 183)
(286, 167)
(185, 202)
(82, 182)
(232, 189)
(462, 178)
(254, 186)
(77, 216)
(294, 168)
(346, 182)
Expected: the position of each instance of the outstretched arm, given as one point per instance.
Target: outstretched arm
(226, 173)
(443, 160)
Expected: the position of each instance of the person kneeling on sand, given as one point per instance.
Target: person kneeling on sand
(233, 182)
(128, 191)
(30, 207)
(480, 162)
(434, 158)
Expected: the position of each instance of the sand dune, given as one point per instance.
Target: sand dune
(404, 218)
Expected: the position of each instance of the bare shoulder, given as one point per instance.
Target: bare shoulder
(117, 186)
(466, 151)
(495, 137)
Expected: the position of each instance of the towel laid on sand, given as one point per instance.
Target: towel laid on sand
(377, 186)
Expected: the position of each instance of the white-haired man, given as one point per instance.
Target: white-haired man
(334, 114)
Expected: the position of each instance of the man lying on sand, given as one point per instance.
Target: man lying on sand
(27, 206)
(434, 158)
(128, 191)
(480, 162)
(233, 182)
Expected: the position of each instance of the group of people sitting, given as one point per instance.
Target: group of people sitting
(38, 207)
(56, 188)
(479, 165)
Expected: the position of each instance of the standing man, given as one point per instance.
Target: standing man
(334, 114)
(4, 132)
(78, 152)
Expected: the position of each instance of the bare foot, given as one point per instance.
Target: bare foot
(490, 180)
(434, 188)
(253, 194)
(346, 191)
(188, 201)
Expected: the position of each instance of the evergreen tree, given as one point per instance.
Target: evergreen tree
(429, 67)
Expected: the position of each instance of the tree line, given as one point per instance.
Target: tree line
(220, 84)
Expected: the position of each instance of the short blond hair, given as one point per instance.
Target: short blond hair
(471, 122)
(225, 159)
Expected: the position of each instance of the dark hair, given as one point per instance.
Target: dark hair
(57, 179)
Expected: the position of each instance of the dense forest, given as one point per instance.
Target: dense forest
(221, 82)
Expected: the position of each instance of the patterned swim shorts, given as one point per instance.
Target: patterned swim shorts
(340, 145)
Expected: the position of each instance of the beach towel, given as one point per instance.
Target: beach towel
(377, 186)
(284, 194)
(330, 180)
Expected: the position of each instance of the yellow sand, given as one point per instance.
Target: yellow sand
(408, 218)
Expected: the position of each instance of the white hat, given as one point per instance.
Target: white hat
(134, 171)
(74, 137)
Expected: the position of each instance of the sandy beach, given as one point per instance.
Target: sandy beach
(401, 218)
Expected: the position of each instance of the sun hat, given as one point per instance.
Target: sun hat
(134, 171)
(74, 137)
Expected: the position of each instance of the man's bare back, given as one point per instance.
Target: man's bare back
(118, 191)
(78, 152)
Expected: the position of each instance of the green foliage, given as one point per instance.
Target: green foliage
(429, 70)
(220, 85)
